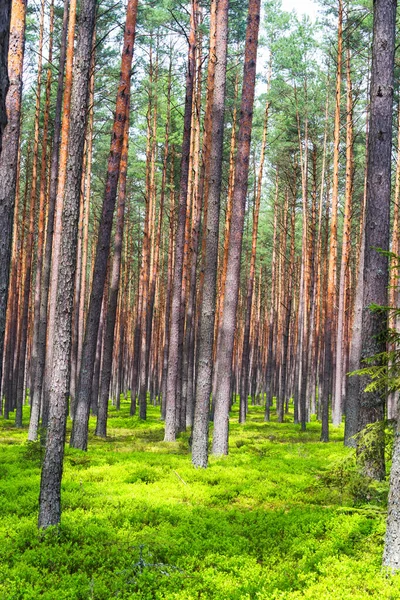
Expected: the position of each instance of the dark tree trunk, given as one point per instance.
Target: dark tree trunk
(9, 156)
(377, 223)
(82, 409)
(5, 14)
(105, 378)
(50, 485)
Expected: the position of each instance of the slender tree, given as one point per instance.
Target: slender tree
(206, 332)
(228, 325)
(81, 416)
(377, 224)
(50, 484)
(176, 324)
(9, 155)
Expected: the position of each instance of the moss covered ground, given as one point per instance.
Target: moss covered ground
(282, 517)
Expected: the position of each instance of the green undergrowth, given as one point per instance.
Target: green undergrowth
(282, 517)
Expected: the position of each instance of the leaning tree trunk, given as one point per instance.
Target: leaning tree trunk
(50, 485)
(377, 227)
(206, 331)
(228, 325)
(82, 408)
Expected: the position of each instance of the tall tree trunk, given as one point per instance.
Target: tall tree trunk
(50, 484)
(330, 319)
(81, 416)
(35, 398)
(176, 326)
(206, 331)
(9, 155)
(105, 377)
(346, 248)
(45, 283)
(59, 194)
(272, 313)
(393, 320)
(223, 396)
(244, 376)
(31, 233)
(171, 245)
(377, 226)
(381, 111)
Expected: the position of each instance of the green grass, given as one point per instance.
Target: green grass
(283, 517)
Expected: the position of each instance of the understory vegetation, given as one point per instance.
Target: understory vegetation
(282, 517)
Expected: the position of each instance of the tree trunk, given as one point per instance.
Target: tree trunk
(5, 14)
(377, 225)
(330, 318)
(35, 398)
(81, 416)
(9, 155)
(50, 485)
(244, 376)
(59, 194)
(105, 377)
(176, 326)
(346, 248)
(45, 283)
(224, 376)
(206, 331)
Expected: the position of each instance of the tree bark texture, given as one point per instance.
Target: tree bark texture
(377, 219)
(206, 332)
(81, 416)
(5, 14)
(176, 324)
(50, 485)
(9, 155)
(228, 325)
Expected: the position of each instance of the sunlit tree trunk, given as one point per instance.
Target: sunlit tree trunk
(35, 398)
(346, 248)
(31, 233)
(330, 317)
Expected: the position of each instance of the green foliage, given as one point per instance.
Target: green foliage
(283, 517)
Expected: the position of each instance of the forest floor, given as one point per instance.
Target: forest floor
(282, 517)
